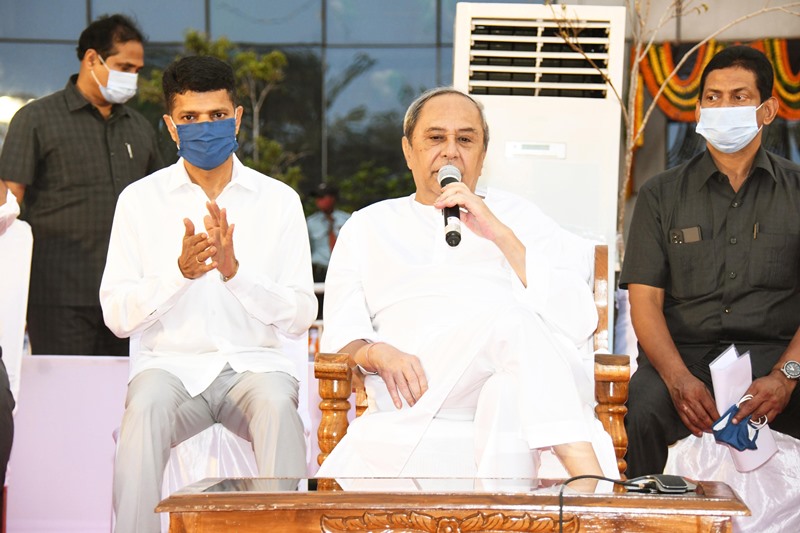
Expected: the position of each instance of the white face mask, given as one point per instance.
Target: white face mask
(728, 129)
(121, 86)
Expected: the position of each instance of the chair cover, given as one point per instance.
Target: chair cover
(216, 452)
(771, 491)
(16, 247)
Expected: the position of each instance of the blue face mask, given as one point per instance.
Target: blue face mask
(207, 145)
(741, 436)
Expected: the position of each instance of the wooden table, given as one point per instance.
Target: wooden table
(250, 505)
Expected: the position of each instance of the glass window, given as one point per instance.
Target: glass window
(159, 20)
(159, 56)
(445, 66)
(377, 80)
(43, 19)
(34, 70)
(292, 113)
(449, 13)
(267, 21)
(381, 21)
(365, 118)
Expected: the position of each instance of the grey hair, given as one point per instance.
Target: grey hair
(415, 109)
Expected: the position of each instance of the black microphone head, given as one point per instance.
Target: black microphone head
(452, 238)
(448, 174)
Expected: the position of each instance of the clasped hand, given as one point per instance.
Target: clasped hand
(215, 245)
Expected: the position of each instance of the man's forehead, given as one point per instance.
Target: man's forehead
(127, 49)
(444, 129)
(724, 78)
(206, 100)
(450, 112)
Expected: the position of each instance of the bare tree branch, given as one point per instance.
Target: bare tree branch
(643, 38)
(674, 72)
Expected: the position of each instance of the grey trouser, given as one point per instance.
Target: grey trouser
(159, 413)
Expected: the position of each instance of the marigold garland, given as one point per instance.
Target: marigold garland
(679, 97)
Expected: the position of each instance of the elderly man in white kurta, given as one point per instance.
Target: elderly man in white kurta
(448, 332)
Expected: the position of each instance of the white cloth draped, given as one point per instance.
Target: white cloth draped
(9, 211)
(771, 491)
(465, 313)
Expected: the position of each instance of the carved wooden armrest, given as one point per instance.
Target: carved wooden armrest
(337, 381)
(611, 377)
(335, 386)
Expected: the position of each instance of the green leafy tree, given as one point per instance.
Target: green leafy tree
(372, 183)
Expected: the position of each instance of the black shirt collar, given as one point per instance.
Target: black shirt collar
(76, 100)
(705, 168)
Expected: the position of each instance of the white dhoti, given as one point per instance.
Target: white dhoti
(521, 385)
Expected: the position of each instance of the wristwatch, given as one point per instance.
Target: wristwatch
(791, 369)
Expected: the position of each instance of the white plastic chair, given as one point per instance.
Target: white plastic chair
(16, 248)
(772, 491)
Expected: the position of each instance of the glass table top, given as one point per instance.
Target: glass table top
(429, 485)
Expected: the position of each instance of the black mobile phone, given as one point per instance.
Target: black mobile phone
(685, 235)
(661, 484)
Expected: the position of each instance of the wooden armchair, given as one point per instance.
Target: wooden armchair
(337, 382)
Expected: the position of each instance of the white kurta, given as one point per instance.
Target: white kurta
(193, 328)
(464, 312)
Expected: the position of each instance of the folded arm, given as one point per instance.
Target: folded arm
(541, 254)
(480, 219)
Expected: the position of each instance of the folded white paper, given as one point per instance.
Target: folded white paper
(731, 375)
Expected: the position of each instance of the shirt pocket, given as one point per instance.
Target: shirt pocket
(774, 259)
(693, 270)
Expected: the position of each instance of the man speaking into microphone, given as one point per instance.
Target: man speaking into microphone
(467, 330)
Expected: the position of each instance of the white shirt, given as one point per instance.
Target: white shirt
(391, 265)
(192, 328)
(9, 212)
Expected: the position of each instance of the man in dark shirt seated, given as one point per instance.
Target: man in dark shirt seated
(713, 258)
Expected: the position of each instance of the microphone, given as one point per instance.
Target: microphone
(452, 215)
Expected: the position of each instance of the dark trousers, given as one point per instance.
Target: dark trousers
(79, 330)
(6, 424)
(653, 424)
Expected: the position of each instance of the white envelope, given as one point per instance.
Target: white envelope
(731, 375)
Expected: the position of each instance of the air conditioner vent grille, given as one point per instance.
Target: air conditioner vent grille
(529, 58)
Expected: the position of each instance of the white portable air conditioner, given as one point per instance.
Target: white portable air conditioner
(554, 122)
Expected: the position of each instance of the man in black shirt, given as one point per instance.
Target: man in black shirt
(66, 157)
(713, 258)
